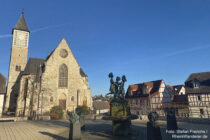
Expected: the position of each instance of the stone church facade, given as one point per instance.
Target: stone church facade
(36, 85)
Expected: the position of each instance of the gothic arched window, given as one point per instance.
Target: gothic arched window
(63, 76)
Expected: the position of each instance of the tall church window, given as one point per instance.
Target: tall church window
(63, 76)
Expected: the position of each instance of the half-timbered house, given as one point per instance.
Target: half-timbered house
(180, 101)
(197, 88)
(148, 96)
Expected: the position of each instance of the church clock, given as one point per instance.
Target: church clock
(20, 38)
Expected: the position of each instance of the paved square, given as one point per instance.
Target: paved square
(95, 130)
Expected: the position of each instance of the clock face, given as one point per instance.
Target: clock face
(21, 37)
(63, 53)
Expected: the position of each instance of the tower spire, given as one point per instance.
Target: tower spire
(21, 24)
(22, 11)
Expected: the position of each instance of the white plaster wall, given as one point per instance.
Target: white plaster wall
(102, 111)
(1, 104)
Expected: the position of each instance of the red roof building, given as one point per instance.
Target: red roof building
(149, 96)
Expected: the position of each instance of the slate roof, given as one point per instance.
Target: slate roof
(33, 67)
(49, 55)
(177, 88)
(98, 105)
(204, 80)
(21, 24)
(138, 89)
(82, 73)
(180, 99)
(2, 84)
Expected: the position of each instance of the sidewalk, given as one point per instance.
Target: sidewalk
(31, 130)
(95, 130)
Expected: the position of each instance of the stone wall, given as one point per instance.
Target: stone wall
(1, 103)
(77, 84)
(18, 57)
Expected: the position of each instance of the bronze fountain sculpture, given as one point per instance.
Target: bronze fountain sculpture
(119, 108)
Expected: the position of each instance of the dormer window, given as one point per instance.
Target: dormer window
(146, 89)
(130, 92)
(196, 83)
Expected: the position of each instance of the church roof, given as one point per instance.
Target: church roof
(33, 66)
(82, 73)
(21, 24)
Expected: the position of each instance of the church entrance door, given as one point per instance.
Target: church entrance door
(62, 101)
(62, 104)
(85, 101)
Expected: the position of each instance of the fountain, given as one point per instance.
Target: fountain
(119, 108)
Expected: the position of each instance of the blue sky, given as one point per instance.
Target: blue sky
(144, 39)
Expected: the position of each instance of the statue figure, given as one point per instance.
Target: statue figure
(78, 111)
(153, 130)
(73, 117)
(122, 90)
(171, 119)
(75, 126)
(117, 84)
(117, 87)
(111, 89)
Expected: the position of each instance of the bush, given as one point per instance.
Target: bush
(83, 109)
(56, 110)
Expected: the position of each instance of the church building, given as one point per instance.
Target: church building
(35, 85)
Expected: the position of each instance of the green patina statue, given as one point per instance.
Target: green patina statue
(74, 117)
(119, 109)
(117, 88)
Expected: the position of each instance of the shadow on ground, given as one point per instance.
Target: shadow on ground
(104, 131)
(53, 123)
(55, 137)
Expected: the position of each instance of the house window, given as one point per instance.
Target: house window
(201, 111)
(18, 68)
(63, 76)
(136, 102)
(199, 98)
(196, 83)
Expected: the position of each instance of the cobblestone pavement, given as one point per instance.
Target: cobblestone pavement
(95, 130)
(31, 130)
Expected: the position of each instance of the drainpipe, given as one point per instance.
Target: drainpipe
(78, 98)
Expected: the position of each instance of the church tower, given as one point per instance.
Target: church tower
(18, 57)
